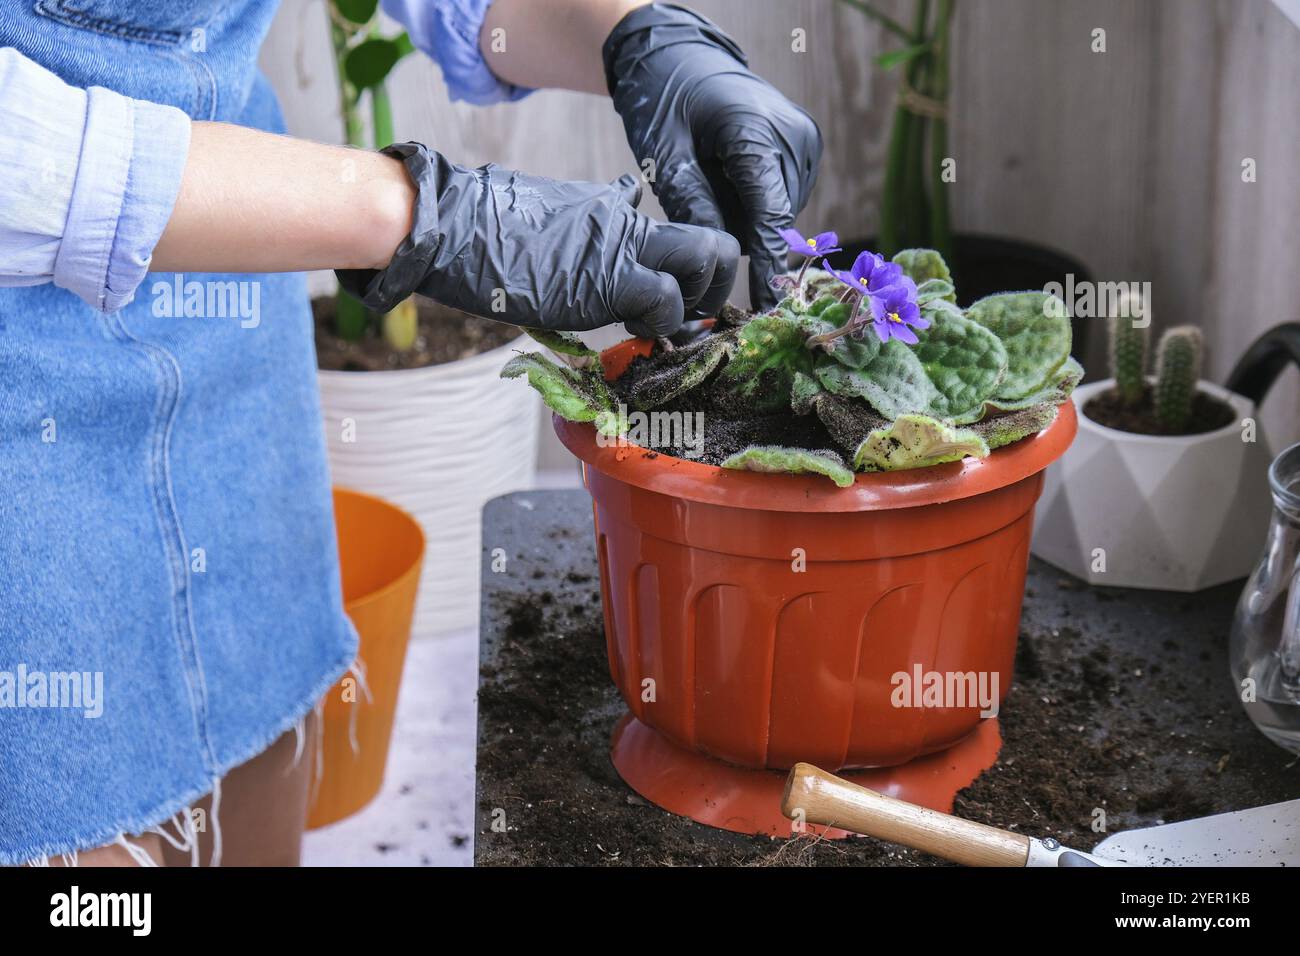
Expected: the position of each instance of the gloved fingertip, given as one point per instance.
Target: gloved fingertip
(694, 210)
(629, 189)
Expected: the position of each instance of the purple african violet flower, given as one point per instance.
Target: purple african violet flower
(870, 274)
(894, 312)
(821, 244)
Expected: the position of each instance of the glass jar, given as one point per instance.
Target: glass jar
(1265, 648)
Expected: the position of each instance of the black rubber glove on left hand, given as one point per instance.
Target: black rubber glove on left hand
(544, 253)
(727, 149)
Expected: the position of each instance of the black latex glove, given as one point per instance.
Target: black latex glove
(547, 254)
(728, 150)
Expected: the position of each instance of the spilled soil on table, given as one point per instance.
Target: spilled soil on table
(1109, 714)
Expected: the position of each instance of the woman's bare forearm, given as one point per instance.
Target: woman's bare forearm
(553, 45)
(257, 202)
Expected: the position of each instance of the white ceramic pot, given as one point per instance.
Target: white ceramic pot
(1176, 513)
(438, 442)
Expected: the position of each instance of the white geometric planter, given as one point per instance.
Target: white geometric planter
(438, 442)
(1177, 513)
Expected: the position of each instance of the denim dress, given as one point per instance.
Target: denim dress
(166, 530)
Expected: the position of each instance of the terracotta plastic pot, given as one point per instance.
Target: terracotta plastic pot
(381, 549)
(762, 665)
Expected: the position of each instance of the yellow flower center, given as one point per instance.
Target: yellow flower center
(863, 281)
(893, 317)
(812, 242)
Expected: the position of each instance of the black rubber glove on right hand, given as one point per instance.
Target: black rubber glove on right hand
(547, 254)
(728, 149)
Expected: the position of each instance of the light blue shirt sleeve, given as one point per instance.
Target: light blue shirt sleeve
(90, 179)
(448, 31)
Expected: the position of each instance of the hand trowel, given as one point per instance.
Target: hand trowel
(1264, 836)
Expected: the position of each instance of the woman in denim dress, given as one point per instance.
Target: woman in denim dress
(166, 532)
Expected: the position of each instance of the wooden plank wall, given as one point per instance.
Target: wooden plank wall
(1129, 159)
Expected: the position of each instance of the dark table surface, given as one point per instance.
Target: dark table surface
(1121, 704)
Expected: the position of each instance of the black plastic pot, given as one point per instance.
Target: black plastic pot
(983, 265)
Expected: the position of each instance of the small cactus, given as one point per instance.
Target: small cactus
(1128, 349)
(1178, 368)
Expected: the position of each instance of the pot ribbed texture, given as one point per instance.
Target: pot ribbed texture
(762, 619)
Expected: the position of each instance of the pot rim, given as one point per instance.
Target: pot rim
(414, 569)
(1242, 406)
(877, 491)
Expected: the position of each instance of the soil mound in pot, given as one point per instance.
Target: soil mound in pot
(1208, 414)
(445, 335)
(727, 427)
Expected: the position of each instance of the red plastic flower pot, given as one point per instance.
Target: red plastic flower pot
(760, 619)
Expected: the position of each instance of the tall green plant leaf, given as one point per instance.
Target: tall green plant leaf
(368, 63)
(358, 11)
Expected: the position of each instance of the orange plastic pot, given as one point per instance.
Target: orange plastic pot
(760, 619)
(381, 548)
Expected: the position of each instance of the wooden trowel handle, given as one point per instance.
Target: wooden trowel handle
(826, 799)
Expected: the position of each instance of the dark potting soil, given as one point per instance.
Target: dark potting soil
(445, 335)
(728, 426)
(1121, 704)
(1208, 414)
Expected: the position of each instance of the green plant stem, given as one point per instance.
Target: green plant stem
(350, 316)
(349, 98)
(401, 326)
(891, 201)
(940, 213)
(889, 23)
(381, 115)
(915, 227)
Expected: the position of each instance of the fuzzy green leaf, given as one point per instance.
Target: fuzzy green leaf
(847, 349)
(769, 352)
(368, 63)
(1035, 330)
(804, 392)
(1056, 391)
(562, 343)
(965, 363)
(679, 371)
(818, 283)
(932, 289)
(922, 265)
(916, 441)
(822, 303)
(775, 459)
(579, 396)
(895, 382)
(1004, 429)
